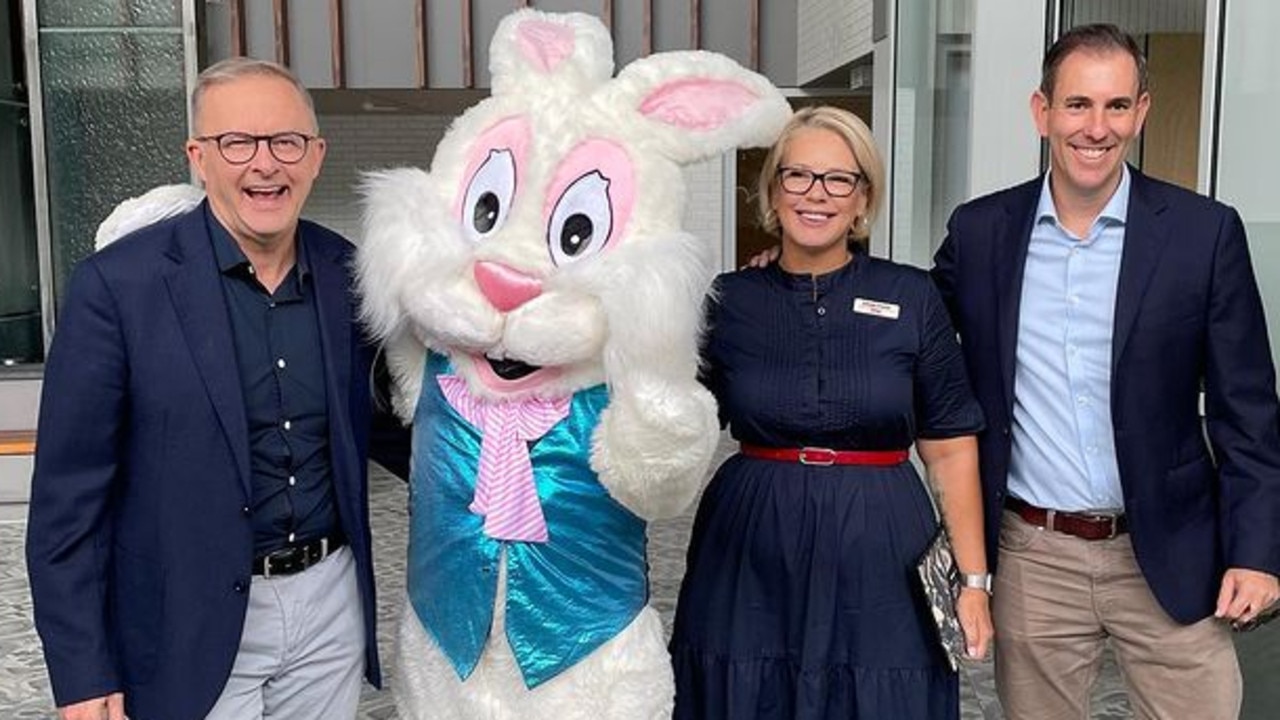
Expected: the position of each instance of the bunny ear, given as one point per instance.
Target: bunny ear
(573, 51)
(697, 104)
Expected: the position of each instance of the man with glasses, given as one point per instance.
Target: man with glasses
(198, 541)
(1094, 305)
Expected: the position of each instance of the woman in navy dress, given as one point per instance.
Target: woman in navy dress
(801, 598)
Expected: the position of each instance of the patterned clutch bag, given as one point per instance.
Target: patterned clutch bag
(940, 579)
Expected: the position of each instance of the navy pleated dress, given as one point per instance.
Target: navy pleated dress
(800, 598)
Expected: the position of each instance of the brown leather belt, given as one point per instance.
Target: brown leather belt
(825, 456)
(1086, 526)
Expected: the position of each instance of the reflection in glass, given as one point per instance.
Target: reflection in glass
(931, 148)
(20, 328)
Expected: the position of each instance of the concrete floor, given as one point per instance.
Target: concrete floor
(24, 688)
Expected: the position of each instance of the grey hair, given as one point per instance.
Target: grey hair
(225, 71)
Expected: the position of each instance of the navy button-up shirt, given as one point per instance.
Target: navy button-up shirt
(279, 356)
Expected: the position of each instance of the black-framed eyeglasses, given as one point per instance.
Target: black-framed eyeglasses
(837, 183)
(239, 148)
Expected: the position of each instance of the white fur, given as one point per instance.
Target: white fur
(151, 207)
(627, 316)
(628, 677)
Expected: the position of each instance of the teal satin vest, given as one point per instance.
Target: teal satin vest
(565, 597)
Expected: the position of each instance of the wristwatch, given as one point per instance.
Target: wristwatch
(977, 581)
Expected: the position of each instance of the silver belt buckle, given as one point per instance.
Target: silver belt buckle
(825, 456)
(1114, 520)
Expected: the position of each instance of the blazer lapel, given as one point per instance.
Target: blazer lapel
(334, 310)
(196, 291)
(1013, 236)
(1145, 238)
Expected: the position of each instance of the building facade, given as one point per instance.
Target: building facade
(93, 109)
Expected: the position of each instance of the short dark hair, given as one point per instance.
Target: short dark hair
(1096, 38)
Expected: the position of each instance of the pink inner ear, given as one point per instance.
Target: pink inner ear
(698, 104)
(544, 44)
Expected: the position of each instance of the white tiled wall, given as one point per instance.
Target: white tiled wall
(831, 33)
(358, 143)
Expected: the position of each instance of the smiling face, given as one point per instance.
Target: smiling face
(258, 202)
(815, 224)
(1093, 116)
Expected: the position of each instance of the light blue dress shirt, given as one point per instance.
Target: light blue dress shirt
(1064, 454)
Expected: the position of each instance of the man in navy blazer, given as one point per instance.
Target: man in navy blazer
(198, 541)
(1094, 305)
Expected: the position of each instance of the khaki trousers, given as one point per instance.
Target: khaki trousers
(1058, 598)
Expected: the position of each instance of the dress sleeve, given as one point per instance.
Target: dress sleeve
(944, 403)
(710, 370)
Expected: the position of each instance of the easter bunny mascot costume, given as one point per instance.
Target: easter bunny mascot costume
(541, 306)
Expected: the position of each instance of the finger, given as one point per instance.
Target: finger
(115, 706)
(1225, 595)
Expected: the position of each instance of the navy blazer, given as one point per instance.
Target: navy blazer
(1200, 496)
(139, 542)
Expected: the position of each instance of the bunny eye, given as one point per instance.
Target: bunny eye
(582, 220)
(489, 196)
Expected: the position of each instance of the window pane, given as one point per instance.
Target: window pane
(931, 146)
(20, 329)
(109, 13)
(20, 340)
(115, 116)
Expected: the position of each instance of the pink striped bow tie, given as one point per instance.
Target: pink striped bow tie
(505, 492)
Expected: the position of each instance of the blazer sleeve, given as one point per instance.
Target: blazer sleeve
(1241, 410)
(390, 442)
(946, 266)
(83, 410)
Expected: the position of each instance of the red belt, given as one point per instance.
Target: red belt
(826, 456)
(1086, 526)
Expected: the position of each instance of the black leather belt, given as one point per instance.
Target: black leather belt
(296, 558)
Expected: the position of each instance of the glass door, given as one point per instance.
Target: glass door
(21, 341)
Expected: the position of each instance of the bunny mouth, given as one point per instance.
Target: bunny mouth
(511, 369)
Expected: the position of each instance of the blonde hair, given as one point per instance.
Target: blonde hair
(855, 134)
(231, 69)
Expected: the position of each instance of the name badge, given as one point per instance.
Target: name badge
(876, 308)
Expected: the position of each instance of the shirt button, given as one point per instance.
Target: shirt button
(239, 587)
(292, 481)
(280, 363)
(1082, 400)
(287, 424)
(822, 311)
(291, 536)
(252, 271)
(246, 511)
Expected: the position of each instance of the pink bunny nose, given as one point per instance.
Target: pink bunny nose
(504, 286)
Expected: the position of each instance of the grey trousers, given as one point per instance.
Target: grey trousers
(302, 649)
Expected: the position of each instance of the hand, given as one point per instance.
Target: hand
(974, 610)
(110, 707)
(765, 257)
(1245, 593)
